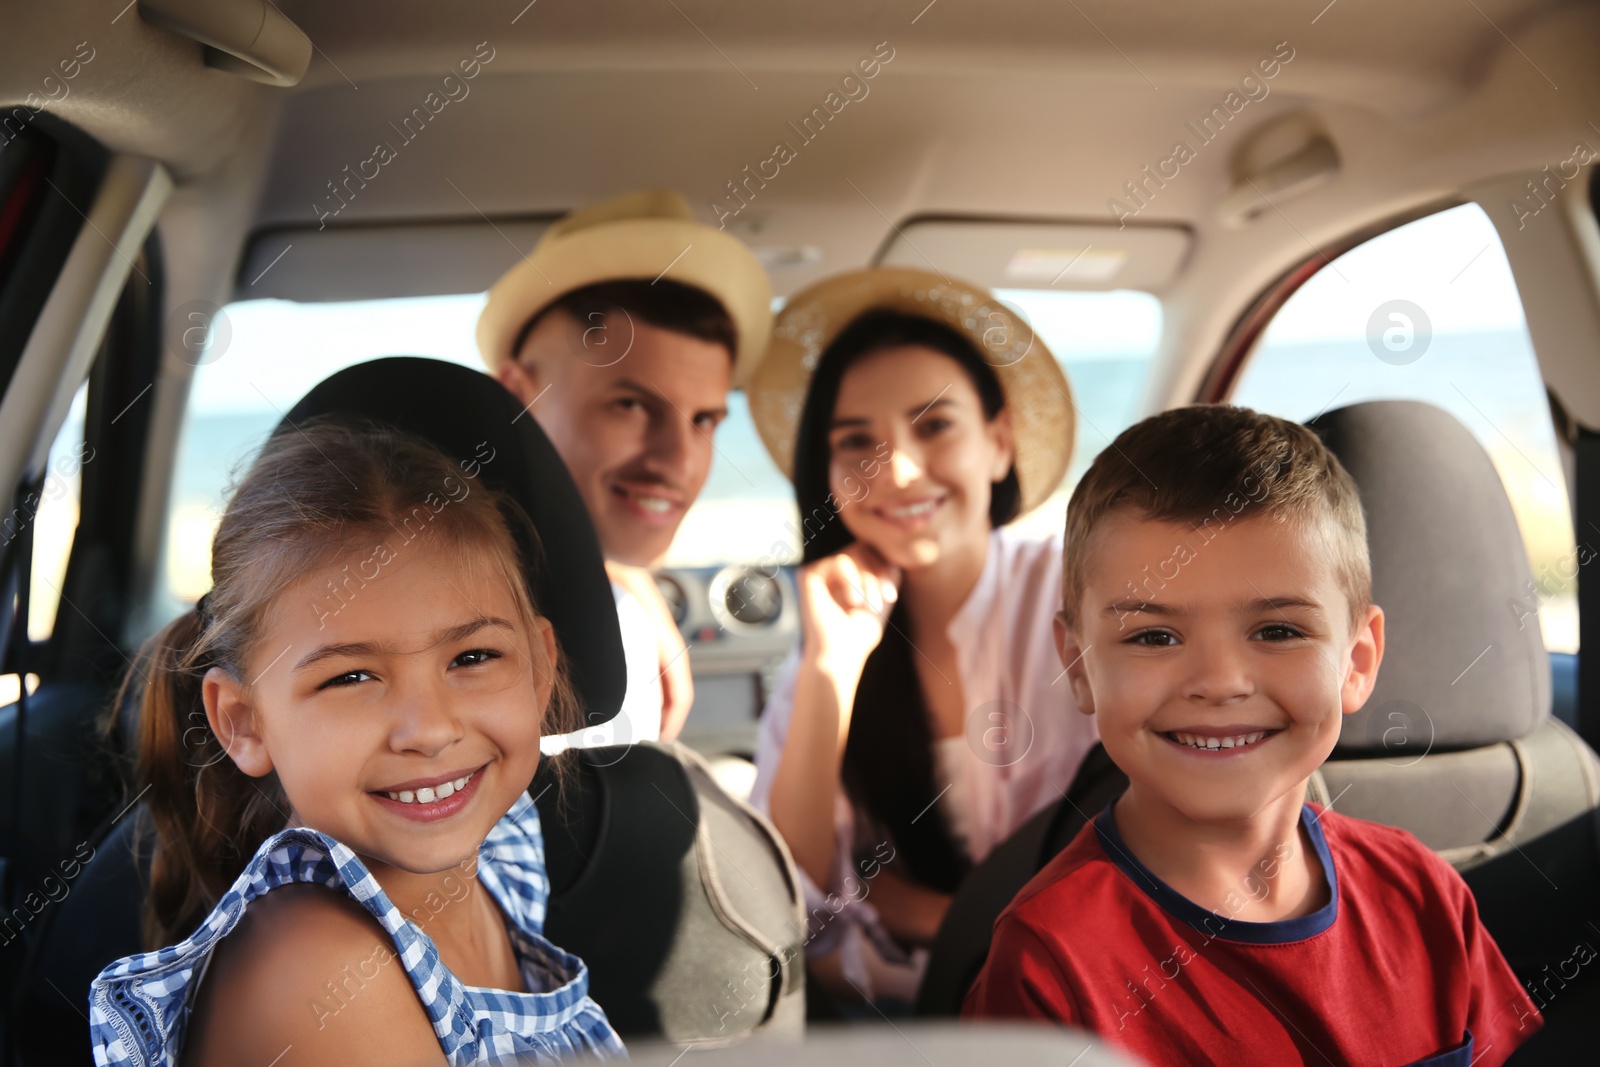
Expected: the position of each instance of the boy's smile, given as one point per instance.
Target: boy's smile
(1219, 689)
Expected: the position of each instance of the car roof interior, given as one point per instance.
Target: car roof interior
(1005, 111)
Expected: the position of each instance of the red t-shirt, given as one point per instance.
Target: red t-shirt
(1395, 969)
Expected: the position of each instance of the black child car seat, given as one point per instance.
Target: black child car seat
(682, 901)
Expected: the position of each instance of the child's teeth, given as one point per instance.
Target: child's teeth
(1215, 743)
(428, 794)
(653, 503)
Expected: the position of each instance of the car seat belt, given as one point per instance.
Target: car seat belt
(1586, 522)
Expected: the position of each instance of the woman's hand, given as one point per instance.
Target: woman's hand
(845, 600)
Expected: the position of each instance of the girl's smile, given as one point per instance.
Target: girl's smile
(428, 799)
(405, 724)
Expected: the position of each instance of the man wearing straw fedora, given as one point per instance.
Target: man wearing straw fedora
(622, 333)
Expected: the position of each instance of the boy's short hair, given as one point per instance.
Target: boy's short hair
(1210, 465)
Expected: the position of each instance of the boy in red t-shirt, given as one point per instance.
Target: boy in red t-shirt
(1217, 623)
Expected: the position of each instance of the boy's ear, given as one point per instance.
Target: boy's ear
(233, 720)
(1071, 654)
(1366, 652)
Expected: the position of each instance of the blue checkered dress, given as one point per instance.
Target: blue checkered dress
(139, 1006)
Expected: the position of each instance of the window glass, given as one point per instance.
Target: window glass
(1429, 311)
(260, 358)
(54, 515)
(1105, 342)
(263, 355)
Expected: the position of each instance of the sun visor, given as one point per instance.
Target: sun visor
(359, 262)
(1015, 254)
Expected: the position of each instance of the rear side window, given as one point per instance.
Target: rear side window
(1429, 311)
(253, 361)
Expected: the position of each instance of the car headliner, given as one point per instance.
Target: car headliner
(1017, 108)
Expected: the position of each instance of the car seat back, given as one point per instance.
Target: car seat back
(1457, 743)
(683, 901)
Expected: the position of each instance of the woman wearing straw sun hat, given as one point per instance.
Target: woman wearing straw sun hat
(916, 416)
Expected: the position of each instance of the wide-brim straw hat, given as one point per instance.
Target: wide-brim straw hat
(1035, 388)
(641, 236)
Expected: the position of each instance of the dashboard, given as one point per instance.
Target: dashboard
(739, 622)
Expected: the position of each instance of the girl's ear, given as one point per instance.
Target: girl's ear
(1004, 438)
(233, 721)
(544, 673)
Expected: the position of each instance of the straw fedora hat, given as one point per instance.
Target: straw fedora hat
(645, 236)
(1035, 388)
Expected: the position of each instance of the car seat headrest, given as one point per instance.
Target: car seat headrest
(1462, 668)
(469, 416)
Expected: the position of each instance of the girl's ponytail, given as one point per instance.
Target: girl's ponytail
(208, 815)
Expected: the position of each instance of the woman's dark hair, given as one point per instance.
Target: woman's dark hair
(888, 769)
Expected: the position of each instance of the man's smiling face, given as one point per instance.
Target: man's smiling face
(1220, 691)
(631, 408)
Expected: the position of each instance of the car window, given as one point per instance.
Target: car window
(254, 360)
(1105, 341)
(1429, 311)
(53, 513)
